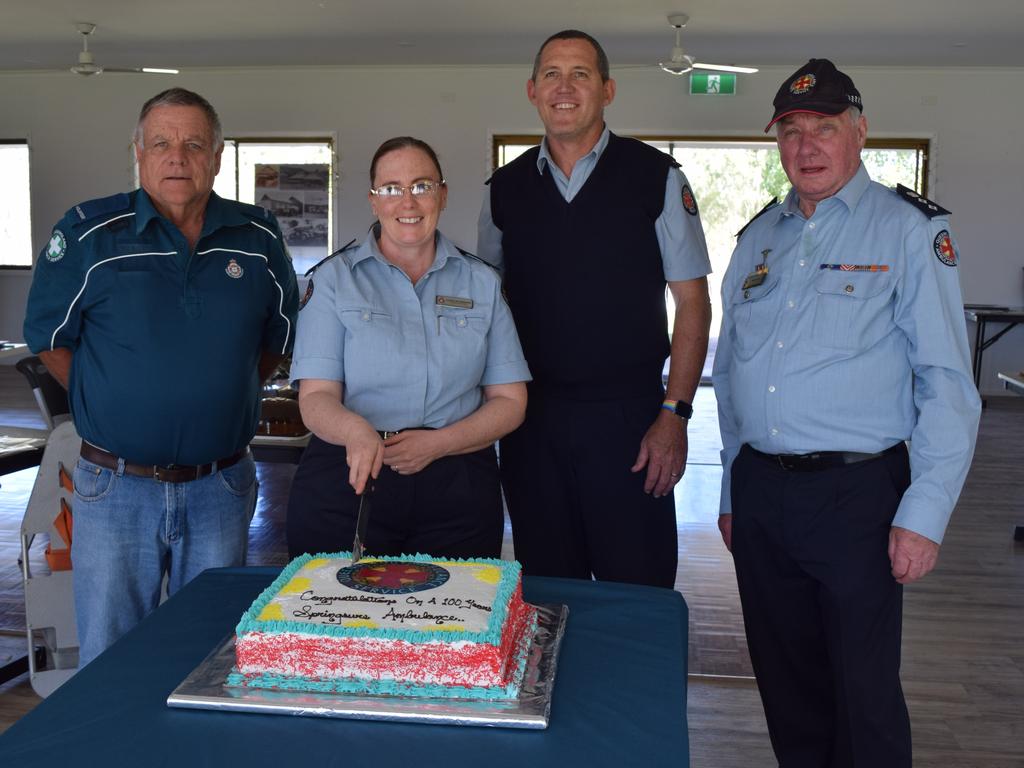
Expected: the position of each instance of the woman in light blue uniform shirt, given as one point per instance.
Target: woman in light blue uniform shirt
(409, 370)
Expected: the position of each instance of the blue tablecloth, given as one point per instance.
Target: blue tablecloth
(619, 696)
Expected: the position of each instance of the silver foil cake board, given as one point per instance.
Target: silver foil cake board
(205, 688)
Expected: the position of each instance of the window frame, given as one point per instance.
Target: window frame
(32, 254)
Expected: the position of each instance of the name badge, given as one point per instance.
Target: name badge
(454, 301)
(754, 279)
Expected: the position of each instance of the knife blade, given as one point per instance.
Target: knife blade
(362, 519)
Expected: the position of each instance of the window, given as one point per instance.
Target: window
(733, 178)
(293, 178)
(15, 209)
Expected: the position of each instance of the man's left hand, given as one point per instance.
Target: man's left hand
(910, 554)
(663, 452)
(410, 451)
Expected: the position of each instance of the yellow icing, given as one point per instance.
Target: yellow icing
(488, 574)
(365, 623)
(296, 586)
(272, 612)
(312, 565)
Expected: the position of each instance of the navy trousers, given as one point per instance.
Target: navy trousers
(822, 611)
(451, 508)
(576, 509)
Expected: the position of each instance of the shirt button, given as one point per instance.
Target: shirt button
(779, 344)
(775, 431)
(462, 322)
(366, 315)
(771, 387)
(803, 263)
(790, 303)
(811, 225)
(848, 289)
(746, 294)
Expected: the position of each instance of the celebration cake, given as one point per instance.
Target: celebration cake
(408, 625)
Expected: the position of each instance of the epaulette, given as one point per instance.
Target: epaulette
(101, 206)
(771, 204)
(315, 267)
(474, 257)
(923, 204)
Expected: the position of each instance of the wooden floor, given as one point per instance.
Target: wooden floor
(963, 667)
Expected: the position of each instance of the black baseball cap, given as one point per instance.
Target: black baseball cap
(817, 87)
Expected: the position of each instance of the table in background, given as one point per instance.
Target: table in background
(13, 349)
(981, 316)
(619, 697)
(1015, 383)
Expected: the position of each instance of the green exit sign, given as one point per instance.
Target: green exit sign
(712, 83)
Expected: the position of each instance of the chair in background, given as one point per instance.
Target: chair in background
(51, 397)
(49, 600)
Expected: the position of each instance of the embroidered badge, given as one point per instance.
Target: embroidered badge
(689, 202)
(802, 84)
(57, 246)
(944, 249)
(392, 578)
(307, 295)
(234, 269)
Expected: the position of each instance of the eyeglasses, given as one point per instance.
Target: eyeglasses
(417, 189)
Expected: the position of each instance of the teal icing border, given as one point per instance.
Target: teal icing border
(510, 570)
(395, 688)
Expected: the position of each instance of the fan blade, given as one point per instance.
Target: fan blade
(725, 68)
(142, 70)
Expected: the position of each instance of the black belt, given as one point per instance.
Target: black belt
(172, 473)
(814, 462)
(386, 433)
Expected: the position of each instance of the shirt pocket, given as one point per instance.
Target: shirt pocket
(852, 310)
(371, 338)
(755, 312)
(463, 335)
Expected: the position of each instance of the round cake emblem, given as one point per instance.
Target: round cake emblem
(392, 578)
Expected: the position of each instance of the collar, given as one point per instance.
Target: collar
(850, 194)
(544, 157)
(219, 213)
(444, 250)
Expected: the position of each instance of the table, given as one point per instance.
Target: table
(1014, 382)
(982, 316)
(13, 349)
(619, 696)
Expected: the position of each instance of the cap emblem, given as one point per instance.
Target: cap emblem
(802, 84)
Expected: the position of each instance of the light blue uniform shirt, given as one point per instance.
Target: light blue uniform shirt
(684, 254)
(821, 359)
(405, 359)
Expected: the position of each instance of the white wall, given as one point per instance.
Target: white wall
(79, 128)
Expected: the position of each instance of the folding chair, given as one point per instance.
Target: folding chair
(51, 397)
(49, 600)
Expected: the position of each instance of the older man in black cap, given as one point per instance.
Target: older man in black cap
(842, 340)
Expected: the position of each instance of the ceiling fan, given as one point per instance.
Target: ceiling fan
(87, 64)
(680, 62)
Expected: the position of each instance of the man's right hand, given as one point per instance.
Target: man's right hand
(364, 453)
(725, 526)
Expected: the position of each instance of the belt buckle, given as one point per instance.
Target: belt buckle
(388, 433)
(784, 462)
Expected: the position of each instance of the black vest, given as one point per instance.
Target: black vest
(585, 279)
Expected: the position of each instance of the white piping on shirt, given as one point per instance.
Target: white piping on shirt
(123, 215)
(269, 232)
(85, 282)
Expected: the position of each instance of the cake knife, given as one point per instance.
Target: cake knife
(361, 520)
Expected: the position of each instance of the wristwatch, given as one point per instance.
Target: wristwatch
(680, 408)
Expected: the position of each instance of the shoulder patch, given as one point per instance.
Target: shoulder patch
(57, 246)
(923, 204)
(942, 244)
(771, 204)
(101, 206)
(689, 201)
(350, 244)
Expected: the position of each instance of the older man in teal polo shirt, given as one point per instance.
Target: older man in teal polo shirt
(162, 311)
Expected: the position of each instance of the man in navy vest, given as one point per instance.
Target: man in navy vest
(588, 228)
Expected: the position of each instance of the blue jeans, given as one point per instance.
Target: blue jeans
(130, 531)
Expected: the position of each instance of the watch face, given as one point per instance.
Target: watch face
(684, 409)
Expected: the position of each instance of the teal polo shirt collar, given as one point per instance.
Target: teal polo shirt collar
(218, 214)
